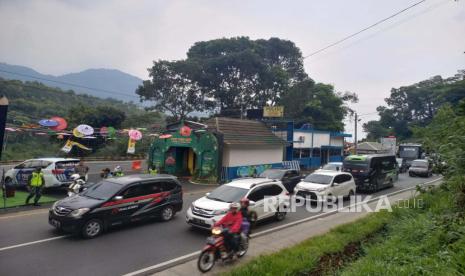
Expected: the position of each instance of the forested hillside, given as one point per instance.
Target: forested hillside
(33, 101)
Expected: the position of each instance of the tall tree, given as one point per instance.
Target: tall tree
(241, 73)
(173, 88)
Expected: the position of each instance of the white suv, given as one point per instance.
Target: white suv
(206, 211)
(321, 185)
(57, 171)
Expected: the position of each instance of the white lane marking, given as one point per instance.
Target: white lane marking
(31, 243)
(186, 257)
(190, 255)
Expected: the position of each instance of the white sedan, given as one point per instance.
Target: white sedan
(324, 184)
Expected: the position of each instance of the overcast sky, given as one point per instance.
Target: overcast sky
(57, 37)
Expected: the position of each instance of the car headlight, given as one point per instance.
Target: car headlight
(78, 212)
(54, 205)
(220, 212)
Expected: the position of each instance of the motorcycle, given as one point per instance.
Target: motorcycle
(77, 186)
(215, 247)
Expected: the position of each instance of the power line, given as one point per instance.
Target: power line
(71, 84)
(363, 30)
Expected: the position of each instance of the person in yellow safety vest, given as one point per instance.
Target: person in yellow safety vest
(153, 171)
(36, 181)
(118, 171)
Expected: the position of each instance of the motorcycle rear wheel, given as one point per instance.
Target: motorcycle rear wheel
(206, 261)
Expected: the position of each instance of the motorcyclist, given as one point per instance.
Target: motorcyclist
(232, 221)
(247, 217)
(118, 171)
(75, 187)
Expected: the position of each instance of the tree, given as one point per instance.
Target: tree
(240, 73)
(96, 117)
(416, 105)
(173, 88)
(317, 104)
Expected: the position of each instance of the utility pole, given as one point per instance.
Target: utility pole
(3, 112)
(356, 121)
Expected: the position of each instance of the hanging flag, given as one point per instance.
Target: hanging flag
(68, 146)
(131, 146)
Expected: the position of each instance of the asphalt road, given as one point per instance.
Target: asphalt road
(121, 250)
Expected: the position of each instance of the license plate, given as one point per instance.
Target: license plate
(55, 223)
(198, 221)
(211, 240)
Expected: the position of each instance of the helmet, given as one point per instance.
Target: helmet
(245, 201)
(118, 169)
(234, 205)
(75, 177)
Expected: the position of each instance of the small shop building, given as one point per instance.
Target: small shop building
(313, 148)
(220, 150)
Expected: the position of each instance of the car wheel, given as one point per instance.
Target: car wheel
(167, 213)
(351, 194)
(280, 215)
(92, 228)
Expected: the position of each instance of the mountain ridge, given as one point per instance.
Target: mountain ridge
(98, 82)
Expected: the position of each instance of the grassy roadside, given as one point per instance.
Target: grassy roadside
(428, 240)
(20, 198)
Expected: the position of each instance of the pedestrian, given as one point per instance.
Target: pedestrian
(82, 170)
(117, 172)
(106, 173)
(35, 182)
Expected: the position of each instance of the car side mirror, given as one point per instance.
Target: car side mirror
(207, 194)
(251, 203)
(335, 184)
(118, 198)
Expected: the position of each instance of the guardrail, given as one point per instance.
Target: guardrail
(101, 158)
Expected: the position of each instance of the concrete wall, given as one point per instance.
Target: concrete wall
(235, 155)
(307, 139)
(320, 139)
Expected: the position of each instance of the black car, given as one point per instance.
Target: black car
(289, 178)
(116, 201)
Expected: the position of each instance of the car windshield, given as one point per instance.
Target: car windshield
(421, 164)
(356, 164)
(103, 190)
(332, 167)
(272, 174)
(318, 178)
(227, 193)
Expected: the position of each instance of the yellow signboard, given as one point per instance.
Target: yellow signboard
(273, 111)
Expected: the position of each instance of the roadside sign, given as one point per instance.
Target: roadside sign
(273, 111)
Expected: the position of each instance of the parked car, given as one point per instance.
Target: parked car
(332, 166)
(421, 167)
(289, 178)
(321, 185)
(372, 172)
(57, 171)
(402, 165)
(115, 201)
(206, 211)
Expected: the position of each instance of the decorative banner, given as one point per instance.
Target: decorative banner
(131, 146)
(104, 131)
(77, 133)
(48, 123)
(185, 131)
(62, 124)
(70, 144)
(85, 129)
(111, 132)
(165, 136)
(135, 135)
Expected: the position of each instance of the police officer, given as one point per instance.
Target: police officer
(36, 181)
(117, 172)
